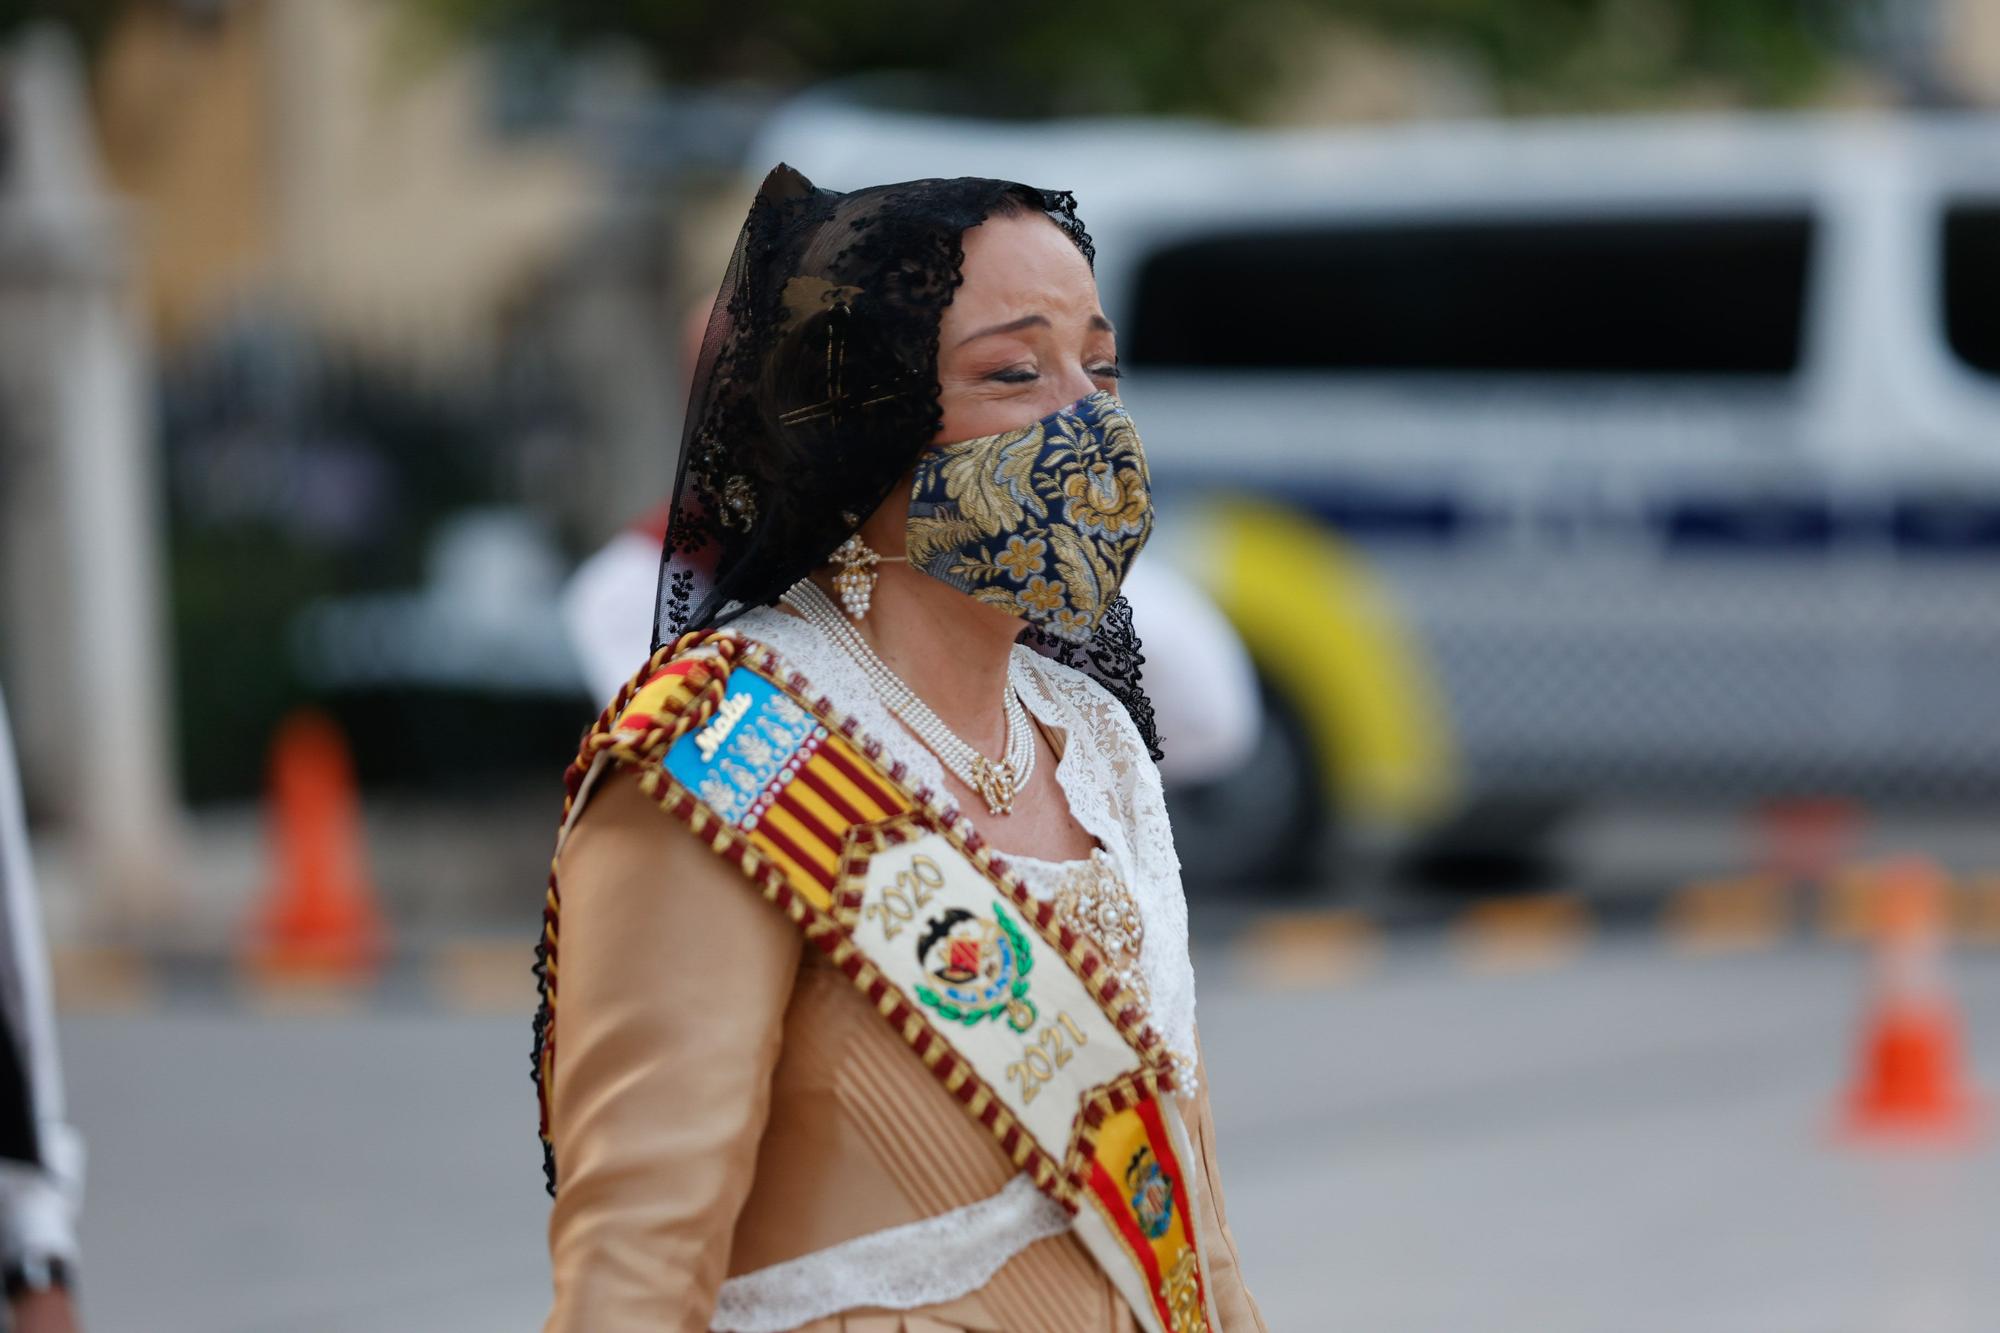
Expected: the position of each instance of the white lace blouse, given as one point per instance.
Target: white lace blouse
(1114, 792)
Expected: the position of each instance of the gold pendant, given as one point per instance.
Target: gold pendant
(996, 784)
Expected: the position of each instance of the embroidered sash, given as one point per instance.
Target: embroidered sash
(1018, 1015)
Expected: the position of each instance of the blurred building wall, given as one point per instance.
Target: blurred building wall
(319, 156)
(1971, 52)
(181, 109)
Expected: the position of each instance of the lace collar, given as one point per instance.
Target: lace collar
(1110, 781)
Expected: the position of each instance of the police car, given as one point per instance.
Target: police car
(1547, 460)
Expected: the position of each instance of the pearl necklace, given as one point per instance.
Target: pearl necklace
(996, 781)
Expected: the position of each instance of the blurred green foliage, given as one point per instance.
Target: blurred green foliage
(1200, 56)
(88, 20)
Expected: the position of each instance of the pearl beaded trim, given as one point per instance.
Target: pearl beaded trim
(996, 781)
(1093, 898)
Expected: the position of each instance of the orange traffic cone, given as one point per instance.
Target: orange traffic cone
(318, 916)
(1911, 1085)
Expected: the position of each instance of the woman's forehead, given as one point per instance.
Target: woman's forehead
(1025, 263)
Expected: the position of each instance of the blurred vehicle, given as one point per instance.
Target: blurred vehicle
(1538, 461)
(462, 682)
(480, 621)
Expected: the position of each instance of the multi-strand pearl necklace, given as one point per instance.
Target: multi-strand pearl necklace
(996, 781)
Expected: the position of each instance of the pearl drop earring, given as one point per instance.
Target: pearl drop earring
(854, 579)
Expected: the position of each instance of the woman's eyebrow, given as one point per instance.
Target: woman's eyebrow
(1029, 322)
(1011, 326)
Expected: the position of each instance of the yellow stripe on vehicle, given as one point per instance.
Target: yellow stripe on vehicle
(1325, 635)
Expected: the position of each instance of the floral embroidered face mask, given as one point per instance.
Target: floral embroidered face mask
(1042, 521)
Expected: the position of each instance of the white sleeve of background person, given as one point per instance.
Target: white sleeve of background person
(1197, 673)
(38, 1205)
(607, 609)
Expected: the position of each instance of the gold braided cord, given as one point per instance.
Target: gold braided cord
(605, 737)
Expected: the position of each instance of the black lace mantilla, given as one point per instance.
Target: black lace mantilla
(816, 389)
(1111, 658)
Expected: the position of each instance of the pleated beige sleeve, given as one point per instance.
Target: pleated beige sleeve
(670, 1001)
(1233, 1303)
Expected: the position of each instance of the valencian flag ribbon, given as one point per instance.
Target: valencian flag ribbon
(1016, 1013)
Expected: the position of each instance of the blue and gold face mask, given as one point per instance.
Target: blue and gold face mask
(1042, 521)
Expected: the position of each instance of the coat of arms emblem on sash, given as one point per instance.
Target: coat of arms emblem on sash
(1152, 1193)
(981, 966)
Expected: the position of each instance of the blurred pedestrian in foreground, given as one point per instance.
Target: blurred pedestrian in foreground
(41, 1157)
(904, 429)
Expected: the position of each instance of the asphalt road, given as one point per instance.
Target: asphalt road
(1616, 1140)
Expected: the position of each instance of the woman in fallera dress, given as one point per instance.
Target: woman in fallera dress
(867, 999)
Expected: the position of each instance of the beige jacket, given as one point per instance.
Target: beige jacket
(724, 1100)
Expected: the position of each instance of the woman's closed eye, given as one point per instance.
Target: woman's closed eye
(1028, 374)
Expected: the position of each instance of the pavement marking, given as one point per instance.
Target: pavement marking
(484, 975)
(1734, 915)
(277, 995)
(1292, 950)
(101, 980)
(1976, 911)
(1529, 934)
(1850, 906)
(1847, 904)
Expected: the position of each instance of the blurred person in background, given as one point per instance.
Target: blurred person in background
(41, 1157)
(904, 428)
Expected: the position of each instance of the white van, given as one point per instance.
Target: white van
(1544, 460)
